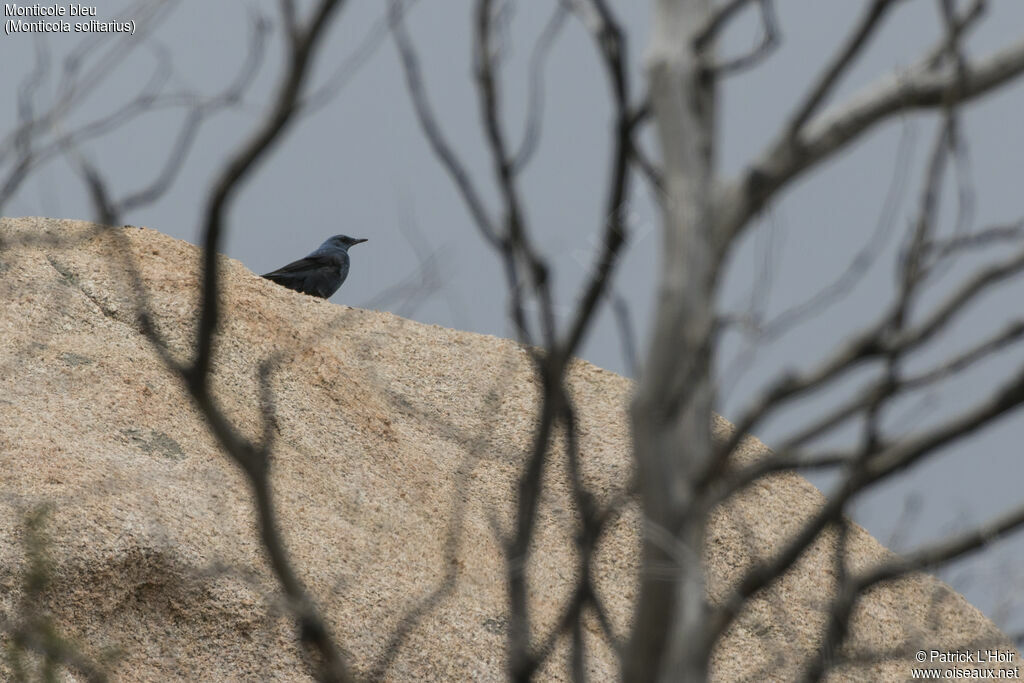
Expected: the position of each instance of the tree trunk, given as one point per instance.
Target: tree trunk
(672, 408)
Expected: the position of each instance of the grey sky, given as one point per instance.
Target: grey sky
(360, 165)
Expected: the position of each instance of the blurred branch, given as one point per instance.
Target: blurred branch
(517, 248)
(240, 166)
(942, 249)
(290, 19)
(822, 136)
(889, 340)
(594, 520)
(34, 630)
(518, 252)
(957, 27)
(838, 624)
(193, 121)
(627, 334)
(358, 58)
(525, 268)
(148, 100)
(75, 84)
(852, 587)
(535, 106)
(22, 139)
(251, 458)
(788, 458)
(873, 343)
(442, 149)
(768, 43)
(938, 554)
(856, 269)
(611, 41)
(716, 22)
(877, 461)
(840, 64)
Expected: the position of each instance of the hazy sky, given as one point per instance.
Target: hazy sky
(360, 165)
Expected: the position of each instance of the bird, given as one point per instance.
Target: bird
(322, 272)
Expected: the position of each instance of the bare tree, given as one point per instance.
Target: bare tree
(303, 36)
(682, 474)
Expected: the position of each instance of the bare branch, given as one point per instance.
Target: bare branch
(77, 83)
(840, 63)
(788, 458)
(647, 167)
(627, 334)
(875, 342)
(981, 282)
(237, 170)
(488, 227)
(148, 100)
(519, 256)
(921, 87)
(957, 27)
(851, 588)
(858, 265)
(594, 521)
(612, 41)
(906, 453)
(23, 137)
(912, 264)
(425, 115)
(360, 55)
(717, 21)
(768, 43)
(535, 107)
(290, 19)
(34, 630)
(871, 468)
(942, 249)
(889, 341)
(521, 661)
(193, 121)
(936, 555)
(253, 461)
(838, 625)
(517, 248)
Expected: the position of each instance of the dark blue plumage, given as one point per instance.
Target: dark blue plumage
(322, 272)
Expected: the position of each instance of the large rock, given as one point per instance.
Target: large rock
(398, 446)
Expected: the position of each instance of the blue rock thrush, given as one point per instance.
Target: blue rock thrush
(322, 272)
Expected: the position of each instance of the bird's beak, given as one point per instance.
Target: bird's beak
(364, 239)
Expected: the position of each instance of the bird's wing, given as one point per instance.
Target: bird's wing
(310, 262)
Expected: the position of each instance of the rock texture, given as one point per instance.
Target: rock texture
(398, 445)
